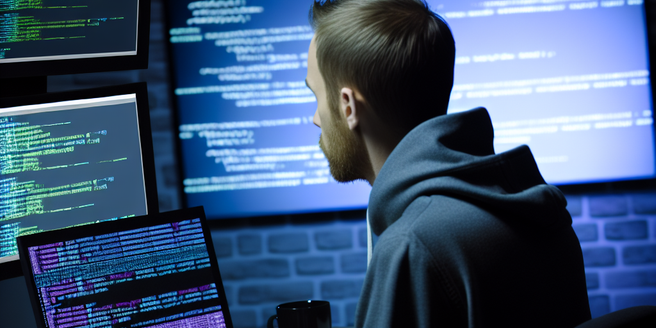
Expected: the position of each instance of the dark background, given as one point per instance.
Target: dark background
(266, 261)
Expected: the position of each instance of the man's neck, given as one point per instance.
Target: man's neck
(380, 142)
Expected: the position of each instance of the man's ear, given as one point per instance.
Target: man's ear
(348, 109)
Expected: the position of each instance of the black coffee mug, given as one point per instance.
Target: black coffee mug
(302, 314)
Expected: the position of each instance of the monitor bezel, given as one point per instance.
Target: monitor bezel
(118, 225)
(12, 268)
(88, 65)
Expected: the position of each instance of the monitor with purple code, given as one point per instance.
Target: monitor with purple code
(155, 271)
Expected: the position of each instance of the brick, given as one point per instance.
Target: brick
(265, 268)
(158, 91)
(362, 237)
(276, 293)
(157, 31)
(336, 239)
(644, 203)
(315, 265)
(160, 121)
(267, 311)
(170, 172)
(574, 205)
(350, 313)
(630, 300)
(608, 205)
(628, 230)
(586, 232)
(164, 202)
(161, 144)
(249, 244)
(230, 294)
(288, 243)
(599, 256)
(592, 280)
(631, 279)
(643, 254)
(157, 53)
(167, 199)
(335, 314)
(243, 318)
(222, 246)
(153, 104)
(599, 305)
(340, 289)
(354, 263)
(156, 72)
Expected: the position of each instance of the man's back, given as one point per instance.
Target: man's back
(469, 239)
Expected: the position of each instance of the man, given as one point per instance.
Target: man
(467, 238)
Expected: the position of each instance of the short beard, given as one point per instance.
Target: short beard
(346, 154)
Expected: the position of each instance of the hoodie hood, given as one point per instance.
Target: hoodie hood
(453, 155)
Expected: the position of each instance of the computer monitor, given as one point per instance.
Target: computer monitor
(73, 158)
(41, 38)
(151, 271)
(569, 78)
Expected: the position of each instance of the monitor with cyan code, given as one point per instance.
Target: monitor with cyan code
(51, 37)
(73, 158)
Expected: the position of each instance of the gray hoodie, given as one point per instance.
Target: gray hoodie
(469, 238)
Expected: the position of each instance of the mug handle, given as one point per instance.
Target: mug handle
(270, 321)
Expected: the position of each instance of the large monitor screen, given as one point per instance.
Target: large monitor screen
(73, 158)
(568, 78)
(49, 34)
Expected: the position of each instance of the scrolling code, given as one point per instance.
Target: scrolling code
(68, 163)
(158, 276)
(47, 29)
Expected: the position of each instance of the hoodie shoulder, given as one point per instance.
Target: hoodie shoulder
(453, 155)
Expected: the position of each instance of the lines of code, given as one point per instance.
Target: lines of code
(157, 276)
(29, 28)
(244, 163)
(575, 91)
(46, 28)
(246, 112)
(68, 167)
(254, 51)
(20, 199)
